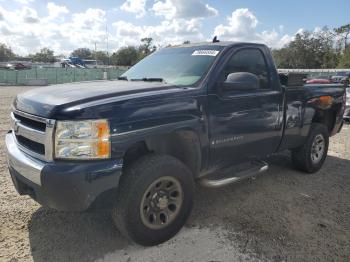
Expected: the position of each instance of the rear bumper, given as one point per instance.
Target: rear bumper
(62, 185)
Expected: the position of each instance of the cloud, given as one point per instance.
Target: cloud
(182, 21)
(5, 30)
(29, 15)
(26, 32)
(56, 10)
(242, 26)
(273, 39)
(168, 31)
(92, 18)
(166, 9)
(24, 2)
(134, 6)
(125, 29)
(183, 9)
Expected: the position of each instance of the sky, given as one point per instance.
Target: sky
(62, 25)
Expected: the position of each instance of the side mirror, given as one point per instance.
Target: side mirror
(241, 81)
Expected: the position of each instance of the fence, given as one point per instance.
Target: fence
(56, 75)
(314, 72)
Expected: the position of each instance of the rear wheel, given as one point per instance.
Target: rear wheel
(154, 199)
(311, 156)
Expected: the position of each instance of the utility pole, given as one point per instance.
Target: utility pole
(95, 55)
(107, 44)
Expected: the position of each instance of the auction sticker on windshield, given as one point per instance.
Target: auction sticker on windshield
(206, 52)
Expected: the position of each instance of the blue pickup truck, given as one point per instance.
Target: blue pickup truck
(174, 119)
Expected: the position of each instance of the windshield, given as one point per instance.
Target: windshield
(180, 66)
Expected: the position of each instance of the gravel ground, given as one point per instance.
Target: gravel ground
(282, 215)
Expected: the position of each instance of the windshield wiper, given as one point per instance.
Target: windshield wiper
(122, 78)
(149, 79)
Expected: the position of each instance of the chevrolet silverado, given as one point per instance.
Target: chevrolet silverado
(177, 117)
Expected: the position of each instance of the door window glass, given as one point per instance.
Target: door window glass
(251, 61)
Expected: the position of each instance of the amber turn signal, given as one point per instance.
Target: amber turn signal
(322, 101)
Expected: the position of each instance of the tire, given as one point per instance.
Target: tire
(134, 213)
(305, 158)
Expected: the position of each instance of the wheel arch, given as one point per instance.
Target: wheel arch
(327, 111)
(328, 117)
(182, 144)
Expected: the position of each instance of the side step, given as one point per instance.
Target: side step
(250, 170)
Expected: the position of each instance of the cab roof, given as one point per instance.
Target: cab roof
(221, 43)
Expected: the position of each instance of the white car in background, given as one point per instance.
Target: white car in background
(347, 107)
(340, 76)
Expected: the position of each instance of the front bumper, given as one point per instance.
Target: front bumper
(62, 185)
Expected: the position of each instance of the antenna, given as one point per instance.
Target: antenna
(215, 39)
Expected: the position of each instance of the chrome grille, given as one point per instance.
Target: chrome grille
(33, 134)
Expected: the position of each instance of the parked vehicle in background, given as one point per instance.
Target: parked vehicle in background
(340, 76)
(347, 106)
(80, 63)
(345, 81)
(73, 61)
(89, 63)
(176, 117)
(319, 80)
(17, 66)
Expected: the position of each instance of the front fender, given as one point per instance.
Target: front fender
(186, 140)
(121, 141)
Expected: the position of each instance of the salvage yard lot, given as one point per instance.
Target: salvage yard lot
(282, 215)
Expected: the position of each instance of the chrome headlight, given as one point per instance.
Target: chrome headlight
(87, 139)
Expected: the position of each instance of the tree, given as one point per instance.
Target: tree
(45, 55)
(309, 50)
(187, 42)
(298, 53)
(345, 59)
(83, 53)
(146, 47)
(126, 56)
(282, 57)
(344, 34)
(5, 53)
(101, 56)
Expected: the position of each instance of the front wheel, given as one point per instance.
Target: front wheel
(154, 199)
(311, 156)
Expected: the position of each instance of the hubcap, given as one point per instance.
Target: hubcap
(161, 202)
(317, 149)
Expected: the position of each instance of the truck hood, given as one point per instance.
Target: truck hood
(45, 101)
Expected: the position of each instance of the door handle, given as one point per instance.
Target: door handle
(201, 110)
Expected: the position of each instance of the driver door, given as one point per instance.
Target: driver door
(244, 123)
